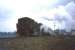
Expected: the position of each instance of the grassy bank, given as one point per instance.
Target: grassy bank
(29, 43)
(40, 43)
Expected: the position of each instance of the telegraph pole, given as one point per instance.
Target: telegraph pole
(54, 26)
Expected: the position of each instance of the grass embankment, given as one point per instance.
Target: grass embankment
(41, 43)
(29, 43)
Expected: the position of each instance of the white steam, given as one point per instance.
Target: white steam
(63, 16)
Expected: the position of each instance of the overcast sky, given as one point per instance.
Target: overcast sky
(11, 10)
